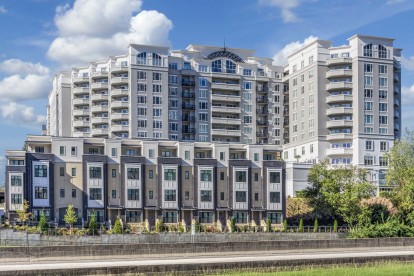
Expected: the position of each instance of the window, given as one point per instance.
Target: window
(310, 59)
(187, 155)
(113, 172)
(187, 195)
(382, 51)
(216, 66)
(187, 175)
(173, 79)
(170, 195)
(133, 216)
(203, 68)
(274, 177)
(156, 76)
(141, 87)
(16, 199)
(368, 160)
(133, 173)
(205, 217)
(369, 145)
(73, 193)
(221, 195)
(95, 194)
(367, 80)
(383, 120)
(151, 153)
(368, 119)
(367, 93)
(203, 93)
(274, 197)
(240, 217)
(73, 171)
(382, 69)
(156, 88)
(62, 171)
(151, 194)
(150, 174)
(169, 217)
(383, 107)
(40, 170)
(222, 155)
(383, 82)
(256, 157)
(141, 75)
(241, 176)
(383, 161)
(367, 50)
(113, 152)
(241, 196)
(247, 72)
(62, 192)
(256, 196)
(247, 85)
(133, 194)
(156, 59)
(368, 68)
(142, 58)
(206, 175)
(62, 150)
(222, 176)
(173, 66)
(247, 119)
(368, 106)
(383, 94)
(275, 218)
(230, 67)
(40, 193)
(383, 146)
(368, 129)
(156, 100)
(39, 149)
(170, 174)
(256, 177)
(203, 82)
(95, 172)
(16, 180)
(205, 196)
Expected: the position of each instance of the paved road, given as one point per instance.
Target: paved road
(204, 260)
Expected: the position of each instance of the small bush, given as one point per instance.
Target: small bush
(300, 229)
(315, 226)
(117, 227)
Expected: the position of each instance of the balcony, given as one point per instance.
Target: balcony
(79, 79)
(99, 131)
(119, 80)
(338, 61)
(339, 111)
(99, 85)
(225, 109)
(80, 133)
(99, 74)
(396, 102)
(185, 82)
(120, 116)
(99, 97)
(188, 131)
(262, 100)
(99, 108)
(119, 104)
(188, 106)
(339, 123)
(262, 89)
(81, 101)
(396, 90)
(119, 68)
(338, 73)
(262, 111)
(188, 118)
(225, 98)
(80, 123)
(99, 120)
(262, 134)
(225, 86)
(339, 136)
(261, 123)
(338, 98)
(187, 95)
(119, 128)
(119, 92)
(339, 151)
(340, 85)
(80, 112)
(225, 132)
(226, 121)
(396, 77)
(80, 90)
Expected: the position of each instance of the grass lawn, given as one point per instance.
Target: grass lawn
(381, 269)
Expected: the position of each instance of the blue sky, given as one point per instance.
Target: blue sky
(40, 37)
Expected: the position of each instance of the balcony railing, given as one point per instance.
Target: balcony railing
(189, 106)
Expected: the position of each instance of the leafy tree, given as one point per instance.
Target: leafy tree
(335, 226)
(92, 224)
(233, 227)
(23, 214)
(268, 225)
(117, 226)
(315, 226)
(70, 217)
(337, 191)
(300, 229)
(285, 226)
(159, 226)
(42, 226)
(400, 173)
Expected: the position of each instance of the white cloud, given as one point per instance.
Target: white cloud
(407, 101)
(21, 114)
(97, 37)
(27, 80)
(2, 9)
(280, 58)
(285, 6)
(408, 63)
(17, 66)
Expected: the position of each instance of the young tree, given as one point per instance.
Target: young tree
(315, 226)
(285, 225)
(92, 224)
(268, 225)
(300, 228)
(117, 226)
(70, 217)
(335, 192)
(335, 226)
(42, 226)
(23, 214)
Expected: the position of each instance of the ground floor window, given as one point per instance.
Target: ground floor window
(99, 215)
(169, 217)
(205, 217)
(37, 212)
(240, 217)
(275, 218)
(133, 216)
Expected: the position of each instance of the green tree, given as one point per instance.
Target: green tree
(233, 227)
(400, 173)
(335, 192)
(268, 225)
(117, 226)
(285, 226)
(92, 224)
(70, 217)
(300, 229)
(335, 226)
(42, 226)
(315, 226)
(23, 214)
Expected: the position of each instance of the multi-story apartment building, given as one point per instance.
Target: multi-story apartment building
(145, 180)
(203, 94)
(343, 103)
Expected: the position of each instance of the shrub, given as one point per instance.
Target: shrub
(335, 226)
(285, 226)
(42, 226)
(300, 229)
(315, 226)
(268, 225)
(159, 226)
(233, 227)
(117, 227)
(93, 226)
